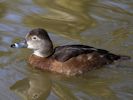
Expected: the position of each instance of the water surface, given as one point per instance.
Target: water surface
(106, 24)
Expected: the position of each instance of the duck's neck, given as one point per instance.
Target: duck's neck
(43, 53)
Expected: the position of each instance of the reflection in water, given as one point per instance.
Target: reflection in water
(112, 10)
(2, 9)
(45, 85)
(63, 17)
(35, 87)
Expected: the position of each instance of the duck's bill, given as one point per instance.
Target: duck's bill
(21, 44)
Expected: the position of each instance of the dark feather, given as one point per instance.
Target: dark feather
(64, 53)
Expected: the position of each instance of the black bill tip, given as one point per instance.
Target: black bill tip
(12, 45)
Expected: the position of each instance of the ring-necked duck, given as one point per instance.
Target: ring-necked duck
(67, 59)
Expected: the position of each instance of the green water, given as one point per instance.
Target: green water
(106, 24)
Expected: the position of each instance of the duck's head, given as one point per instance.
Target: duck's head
(39, 41)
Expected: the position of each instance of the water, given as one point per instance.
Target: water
(105, 24)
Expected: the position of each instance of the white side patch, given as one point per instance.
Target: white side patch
(89, 57)
(101, 56)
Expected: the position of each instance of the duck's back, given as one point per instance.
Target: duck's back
(64, 53)
(77, 59)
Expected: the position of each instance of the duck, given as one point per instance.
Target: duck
(70, 60)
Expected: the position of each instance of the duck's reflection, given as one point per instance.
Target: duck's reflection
(41, 86)
(35, 87)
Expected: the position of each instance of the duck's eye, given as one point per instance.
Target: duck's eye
(34, 38)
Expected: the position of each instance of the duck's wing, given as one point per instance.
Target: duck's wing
(64, 53)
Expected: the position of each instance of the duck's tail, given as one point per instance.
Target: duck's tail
(123, 57)
(113, 57)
